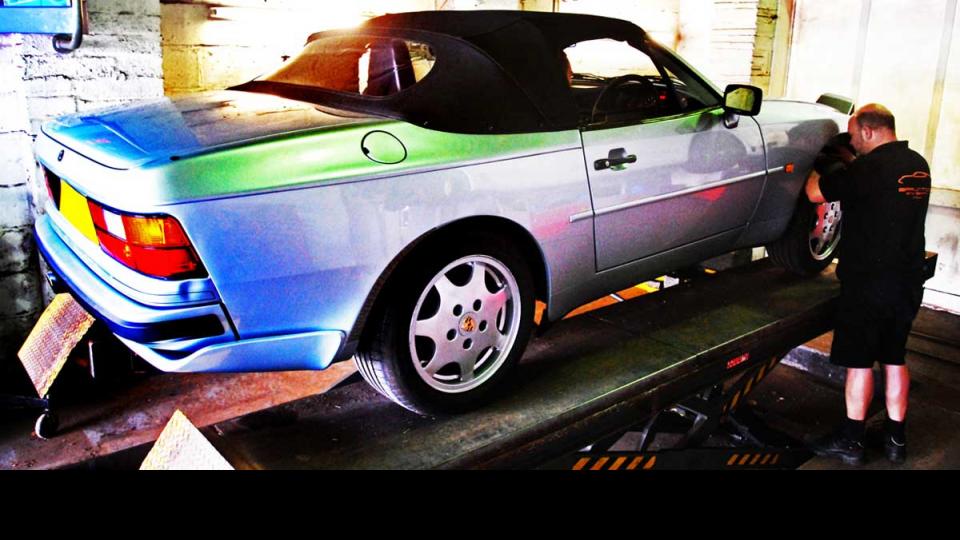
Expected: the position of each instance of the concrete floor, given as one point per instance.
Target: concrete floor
(112, 418)
(806, 400)
(804, 406)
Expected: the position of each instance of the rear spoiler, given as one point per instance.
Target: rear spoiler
(838, 102)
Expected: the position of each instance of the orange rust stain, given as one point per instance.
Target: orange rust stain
(538, 310)
(627, 294)
(631, 293)
(596, 304)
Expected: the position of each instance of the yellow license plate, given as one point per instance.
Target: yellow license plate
(74, 207)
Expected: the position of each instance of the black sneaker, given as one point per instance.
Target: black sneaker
(896, 450)
(838, 444)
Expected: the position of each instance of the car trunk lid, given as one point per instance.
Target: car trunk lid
(130, 136)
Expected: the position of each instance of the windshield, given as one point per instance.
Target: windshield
(364, 65)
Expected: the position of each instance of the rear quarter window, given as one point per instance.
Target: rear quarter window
(362, 65)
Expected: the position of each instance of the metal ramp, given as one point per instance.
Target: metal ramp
(697, 348)
(588, 378)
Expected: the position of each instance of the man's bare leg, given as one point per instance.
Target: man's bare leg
(858, 392)
(898, 389)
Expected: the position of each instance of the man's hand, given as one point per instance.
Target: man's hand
(813, 188)
(845, 154)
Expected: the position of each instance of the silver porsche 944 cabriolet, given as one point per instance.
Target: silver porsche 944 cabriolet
(403, 192)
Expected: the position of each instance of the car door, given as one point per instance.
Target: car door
(665, 165)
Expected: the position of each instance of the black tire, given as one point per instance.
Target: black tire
(385, 357)
(796, 251)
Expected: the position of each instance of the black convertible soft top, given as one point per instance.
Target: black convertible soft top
(496, 71)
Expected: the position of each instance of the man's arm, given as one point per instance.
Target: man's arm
(813, 188)
(833, 160)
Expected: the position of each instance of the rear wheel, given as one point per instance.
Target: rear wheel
(812, 238)
(452, 328)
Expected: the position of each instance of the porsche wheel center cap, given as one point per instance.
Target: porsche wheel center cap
(468, 324)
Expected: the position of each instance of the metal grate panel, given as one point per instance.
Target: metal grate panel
(44, 353)
(182, 447)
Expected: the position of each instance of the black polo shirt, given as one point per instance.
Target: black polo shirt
(884, 196)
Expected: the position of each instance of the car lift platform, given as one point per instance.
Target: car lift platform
(586, 379)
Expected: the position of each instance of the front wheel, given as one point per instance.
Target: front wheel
(452, 329)
(812, 238)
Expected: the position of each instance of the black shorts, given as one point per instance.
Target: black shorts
(873, 321)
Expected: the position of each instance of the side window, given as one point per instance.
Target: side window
(615, 83)
(608, 58)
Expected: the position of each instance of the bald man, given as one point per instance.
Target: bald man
(884, 195)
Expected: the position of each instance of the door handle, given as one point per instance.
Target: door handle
(616, 159)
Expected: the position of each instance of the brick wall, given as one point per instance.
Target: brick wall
(202, 51)
(19, 292)
(732, 40)
(118, 62)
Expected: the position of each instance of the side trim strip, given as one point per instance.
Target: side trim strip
(633, 204)
(581, 216)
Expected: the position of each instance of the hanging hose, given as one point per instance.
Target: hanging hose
(67, 43)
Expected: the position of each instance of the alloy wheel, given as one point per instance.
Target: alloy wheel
(464, 324)
(825, 234)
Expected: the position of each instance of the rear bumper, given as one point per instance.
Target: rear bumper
(310, 351)
(194, 338)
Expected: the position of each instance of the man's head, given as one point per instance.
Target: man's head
(871, 126)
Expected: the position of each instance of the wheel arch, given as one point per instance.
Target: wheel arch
(502, 227)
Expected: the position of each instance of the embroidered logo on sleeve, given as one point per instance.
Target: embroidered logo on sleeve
(915, 186)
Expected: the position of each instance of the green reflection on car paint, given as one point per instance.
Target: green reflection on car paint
(335, 154)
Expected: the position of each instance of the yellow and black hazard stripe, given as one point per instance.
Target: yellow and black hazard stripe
(751, 382)
(753, 459)
(615, 463)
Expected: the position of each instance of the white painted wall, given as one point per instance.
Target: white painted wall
(716, 36)
(905, 55)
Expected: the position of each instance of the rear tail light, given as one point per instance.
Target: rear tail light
(153, 245)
